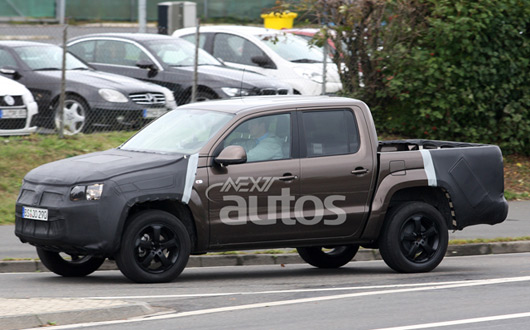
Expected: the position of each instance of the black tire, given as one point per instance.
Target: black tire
(78, 266)
(76, 115)
(414, 238)
(203, 96)
(155, 248)
(328, 257)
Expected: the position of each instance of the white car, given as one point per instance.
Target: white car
(270, 52)
(17, 108)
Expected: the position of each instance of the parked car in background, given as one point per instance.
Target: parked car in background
(93, 98)
(17, 108)
(271, 52)
(169, 62)
(309, 34)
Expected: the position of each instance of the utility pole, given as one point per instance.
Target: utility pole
(142, 16)
(60, 9)
(196, 64)
(62, 97)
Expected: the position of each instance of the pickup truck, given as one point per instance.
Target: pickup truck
(259, 172)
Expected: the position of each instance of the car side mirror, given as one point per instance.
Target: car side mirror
(263, 61)
(146, 64)
(10, 71)
(231, 155)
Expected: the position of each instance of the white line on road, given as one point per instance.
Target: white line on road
(460, 322)
(453, 285)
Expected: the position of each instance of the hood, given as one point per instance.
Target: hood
(99, 79)
(233, 77)
(11, 87)
(97, 167)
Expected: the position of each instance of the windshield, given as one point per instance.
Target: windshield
(180, 52)
(179, 131)
(48, 58)
(293, 48)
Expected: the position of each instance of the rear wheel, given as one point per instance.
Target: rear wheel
(414, 238)
(155, 248)
(71, 265)
(328, 257)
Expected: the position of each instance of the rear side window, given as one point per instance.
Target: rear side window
(330, 132)
(191, 38)
(84, 50)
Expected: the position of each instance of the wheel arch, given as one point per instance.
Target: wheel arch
(186, 95)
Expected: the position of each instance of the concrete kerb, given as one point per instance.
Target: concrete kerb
(243, 259)
(63, 311)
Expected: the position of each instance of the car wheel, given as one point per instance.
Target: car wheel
(328, 257)
(75, 266)
(155, 248)
(203, 96)
(75, 115)
(414, 238)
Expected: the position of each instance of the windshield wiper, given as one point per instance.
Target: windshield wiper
(80, 68)
(47, 69)
(305, 60)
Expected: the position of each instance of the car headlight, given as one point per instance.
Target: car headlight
(90, 193)
(170, 99)
(112, 95)
(232, 91)
(310, 74)
(28, 98)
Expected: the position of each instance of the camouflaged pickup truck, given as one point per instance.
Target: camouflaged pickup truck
(260, 172)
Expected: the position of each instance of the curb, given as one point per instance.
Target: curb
(62, 311)
(287, 258)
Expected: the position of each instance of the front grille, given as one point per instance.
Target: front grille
(12, 123)
(272, 91)
(16, 99)
(148, 98)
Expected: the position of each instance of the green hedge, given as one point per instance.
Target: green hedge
(466, 78)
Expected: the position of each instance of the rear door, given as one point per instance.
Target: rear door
(336, 172)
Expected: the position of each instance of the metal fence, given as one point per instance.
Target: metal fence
(127, 10)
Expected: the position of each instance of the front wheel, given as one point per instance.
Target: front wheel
(414, 238)
(155, 248)
(75, 115)
(74, 266)
(328, 257)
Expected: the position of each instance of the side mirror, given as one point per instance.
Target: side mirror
(231, 155)
(146, 64)
(263, 61)
(10, 71)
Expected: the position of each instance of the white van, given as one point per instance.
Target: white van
(273, 53)
(17, 107)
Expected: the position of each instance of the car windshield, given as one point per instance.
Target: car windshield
(293, 48)
(179, 131)
(179, 52)
(48, 58)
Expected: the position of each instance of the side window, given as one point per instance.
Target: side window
(328, 133)
(235, 49)
(84, 50)
(191, 38)
(264, 138)
(118, 52)
(7, 59)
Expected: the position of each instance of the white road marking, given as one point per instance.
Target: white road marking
(459, 322)
(453, 285)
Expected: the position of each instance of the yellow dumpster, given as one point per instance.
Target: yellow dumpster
(279, 21)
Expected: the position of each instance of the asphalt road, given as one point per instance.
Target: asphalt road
(482, 292)
(516, 225)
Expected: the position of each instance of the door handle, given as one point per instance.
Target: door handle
(359, 170)
(288, 177)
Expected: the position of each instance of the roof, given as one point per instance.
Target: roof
(130, 36)
(272, 102)
(253, 30)
(20, 43)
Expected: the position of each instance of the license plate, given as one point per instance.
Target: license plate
(34, 213)
(13, 114)
(153, 113)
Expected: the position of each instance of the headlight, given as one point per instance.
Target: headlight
(28, 98)
(90, 193)
(111, 95)
(311, 75)
(232, 91)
